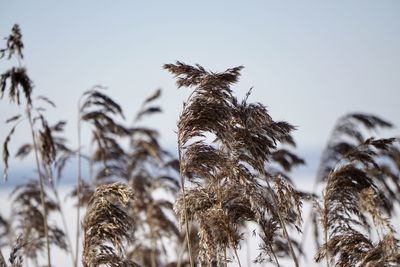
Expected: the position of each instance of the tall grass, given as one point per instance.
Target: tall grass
(145, 207)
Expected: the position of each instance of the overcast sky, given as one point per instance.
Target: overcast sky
(308, 61)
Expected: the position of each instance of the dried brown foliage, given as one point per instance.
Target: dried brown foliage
(15, 259)
(106, 226)
(14, 43)
(353, 205)
(29, 218)
(147, 168)
(350, 143)
(225, 146)
(234, 166)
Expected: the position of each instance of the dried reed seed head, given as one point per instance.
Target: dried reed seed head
(352, 194)
(355, 249)
(14, 43)
(16, 258)
(29, 219)
(289, 202)
(142, 165)
(286, 159)
(385, 253)
(16, 78)
(348, 134)
(106, 225)
(149, 110)
(5, 230)
(47, 147)
(348, 249)
(187, 75)
(341, 197)
(195, 75)
(370, 203)
(220, 211)
(100, 101)
(230, 165)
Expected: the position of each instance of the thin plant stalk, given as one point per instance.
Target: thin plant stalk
(325, 227)
(41, 182)
(307, 223)
(225, 259)
(180, 254)
(2, 260)
(78, 188)
(182, 182)
(64, 222)
(282, 223)
(153, 241)
(273, 253)
(237, 256)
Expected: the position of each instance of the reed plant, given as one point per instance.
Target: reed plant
(146, 206)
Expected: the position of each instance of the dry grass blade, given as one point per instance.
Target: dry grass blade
(14, 118)
(106, 226)
(6, 153)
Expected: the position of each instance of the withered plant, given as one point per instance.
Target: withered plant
(107, 225)
(362, 181)
(15, 259)
(133, 155)
(16, 81)
(224, 148)
(98, 109)
(54, 153)
(233, 170)
(28, 217)
(348, 136)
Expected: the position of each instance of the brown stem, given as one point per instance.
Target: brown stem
(273, 253)
(41, 182)
(180, 254)
(152, 235)
(225, 259)
(78, 189)
(237, 256)
(325, 226)
(2, 261)
(282, 223)
(64, 222)
(248, 256)
(182, 182)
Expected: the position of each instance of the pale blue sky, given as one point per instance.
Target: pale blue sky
(308, 61)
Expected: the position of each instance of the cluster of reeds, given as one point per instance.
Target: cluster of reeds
(225, 149)
(145, 207)
(143, 165)
(33, 205)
